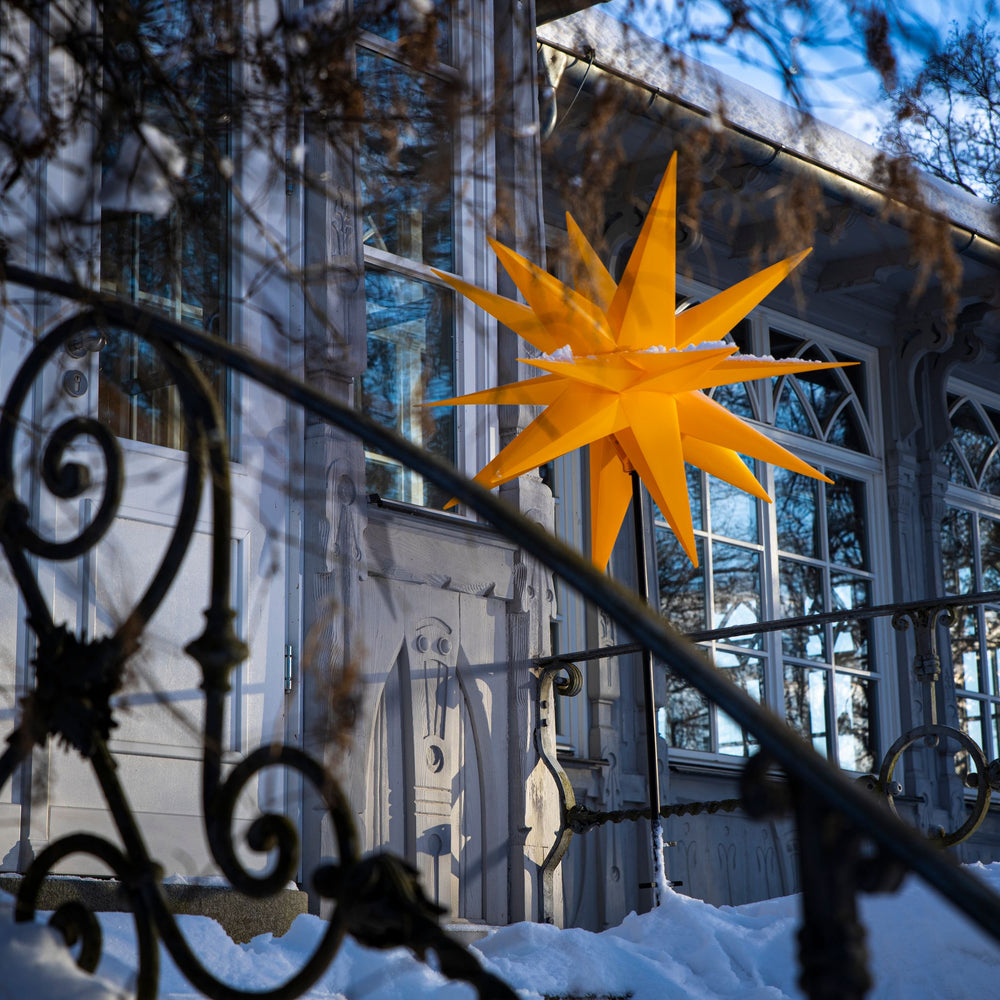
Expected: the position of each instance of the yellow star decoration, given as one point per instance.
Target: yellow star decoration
(625, 374)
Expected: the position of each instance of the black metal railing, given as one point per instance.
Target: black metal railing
(849, 841)
(923, 617)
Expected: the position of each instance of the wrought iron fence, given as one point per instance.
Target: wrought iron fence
(849, 841)
(561, 674)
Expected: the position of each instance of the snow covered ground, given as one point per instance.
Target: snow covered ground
(687, 950)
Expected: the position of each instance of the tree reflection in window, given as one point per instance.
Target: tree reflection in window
(973, 454)
(176, 264)
(411, 356)
(828, 405)
(970, 563)
(407, 183)
(816, 540)
(406, 161)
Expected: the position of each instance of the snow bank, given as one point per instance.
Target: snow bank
(687, 950)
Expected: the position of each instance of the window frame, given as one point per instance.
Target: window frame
(476, 436)
(869, 468)
(978, 504)
(226, 383)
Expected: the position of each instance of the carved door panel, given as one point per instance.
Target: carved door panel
(437, 773)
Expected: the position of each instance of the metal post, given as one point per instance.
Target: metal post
(652, 761)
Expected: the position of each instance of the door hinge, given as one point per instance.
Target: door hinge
(289, 667)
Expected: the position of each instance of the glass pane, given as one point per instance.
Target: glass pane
(956, 468)
(852, 706)
(855, 375)
(796, 501)
(748, 673)
(847, 522)
(426, 29)
(845, 430)
(823, 391)
(410, 360)
(737, 397)
(850, 638)
(972, 437)
(695, 478)
(734, 513)
(175, 263)
(789, 413)
(685, 723)
(736, 586)
(406, 167)
(992, 643)
(956, 552)
(784, 345)
(681, 585)
(970, 721)
(965, 651)
(990, 482)
(801, 588)
(805, 703)
(989, 552)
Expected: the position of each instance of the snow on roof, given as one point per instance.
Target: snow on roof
(627, 53)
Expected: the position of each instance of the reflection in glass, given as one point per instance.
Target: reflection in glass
(736, 584)
(790, 414)
(406, 162)
(686, 723)
(801, 588)
(850, 638)
(410, 359)
(694, 478)
(957, 471)
(734, 513)
(855, 375)
(956, 552)
(737, 397)
(990, 483)
(748, 673)
(796, 504)
(823, 389)
(805, 703)
(845, 430)
(175, 264)
(970, 721)
(853, 708)
(385, 19)
(992, 642)
(972, 437)
(989, 552)
(681, 585)
(847, 522)
(965, 651)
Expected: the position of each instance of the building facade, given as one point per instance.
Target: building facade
(364, 603)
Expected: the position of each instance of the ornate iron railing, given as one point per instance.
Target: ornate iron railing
(561, 673)
(849, 841)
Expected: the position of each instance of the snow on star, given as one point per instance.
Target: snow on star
(625, 375)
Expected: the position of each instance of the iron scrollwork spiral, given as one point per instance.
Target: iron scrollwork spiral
(377, 899)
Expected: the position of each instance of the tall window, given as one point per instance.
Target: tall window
(970, 560)
(408, 176)
(176, 262)
(810, 551)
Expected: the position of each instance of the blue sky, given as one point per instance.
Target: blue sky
(840, 88)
